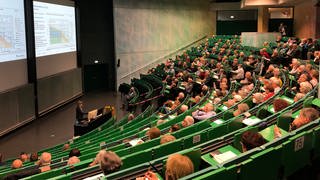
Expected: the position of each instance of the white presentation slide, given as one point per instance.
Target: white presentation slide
(55, 28)
(12, 30)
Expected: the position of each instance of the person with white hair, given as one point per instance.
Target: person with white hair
(305, 87)
(204, 113)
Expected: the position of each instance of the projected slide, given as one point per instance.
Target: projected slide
(55, 28)
(12, 30)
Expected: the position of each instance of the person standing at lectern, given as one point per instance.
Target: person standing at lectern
(80, 114)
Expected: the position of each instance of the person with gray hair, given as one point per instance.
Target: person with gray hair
(108, 161)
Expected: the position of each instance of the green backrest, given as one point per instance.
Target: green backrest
(316, 142)
(195, 139)
(229, 173)
(284, 120)
(136, 158)
(218, 131)
(264, 165)
(227, 115)
(296, 152)
(166, 149)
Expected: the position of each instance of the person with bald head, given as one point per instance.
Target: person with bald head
(44, 165)
(204, 113)
(16, 164)
(73, 160)
(183, 109)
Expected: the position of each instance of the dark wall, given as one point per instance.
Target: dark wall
(96, 32)
(236, 27)
(275, 23)
(232, 22)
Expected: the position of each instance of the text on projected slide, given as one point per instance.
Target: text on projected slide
(54, 27)
(12, 30)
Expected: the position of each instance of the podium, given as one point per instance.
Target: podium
(95, 118)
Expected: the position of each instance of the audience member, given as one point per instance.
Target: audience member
(167, 138)
(204, 113)
(66, 147)
(23, 156)
(153, 133)
(188, 121)
(75, 152)
(73, 160)
(250, 140)
(174, 128)
(177, 166)
(16, 164)
(279, 104)
(34, 157)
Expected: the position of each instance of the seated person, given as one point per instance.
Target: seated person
(230, 103)
(66, 147)
(44, 165)
(33, 157)
(16, 164)
(109, 161)
(279, 104)
(306, 116)
(243, 107)
(257, 98)
(305, 87)
(298, 96)
(167, 138)
(187, 121)
(269, 92)
(177, 166)
(75, 152)
(204, 113)
(161, 121)
(73, 160)
(250, 140)
(153, 133)
(174, 128)
(23, 157)
(183, 109)
(248, 79)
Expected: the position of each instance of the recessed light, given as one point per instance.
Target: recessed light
(232, 17)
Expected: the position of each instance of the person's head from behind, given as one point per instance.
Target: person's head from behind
(130, 117)
(178, 166)
(167, 138)
(250, 140)
(16, 164)
(66, 147)
(298, 96)
(306, 115)
(34, 157)
(23, 156)
(279, 104)
(188, 121)
(174, 128)
(183, 108)
(153, 133)
(257, 98)
(208, 107)
(45, 159)
(74, 152)
(73, 160)
(109, 162)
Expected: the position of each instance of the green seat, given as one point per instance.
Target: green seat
(264, 165)
(229, 173)
(195, 139)
(263, 112)
(218, 131)
(227, 115)
(296, 152)
(316, 142)
(284, 120)
(166, 149)
(136, 158)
